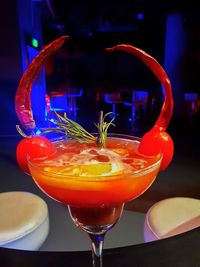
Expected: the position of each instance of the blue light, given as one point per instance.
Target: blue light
(176, 42)
(191, 97)
(90, 34)
(38, 132)
(140, 16)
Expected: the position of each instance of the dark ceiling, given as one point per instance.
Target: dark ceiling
(92, 17)
(96, 24)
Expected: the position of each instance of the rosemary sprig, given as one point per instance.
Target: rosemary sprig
(22, 133)
(70, 128)
(102, 127)
(75, 131)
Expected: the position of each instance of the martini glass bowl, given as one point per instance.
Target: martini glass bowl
(95, 183)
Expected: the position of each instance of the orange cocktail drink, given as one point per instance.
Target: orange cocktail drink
(94, 179)
(96, 182)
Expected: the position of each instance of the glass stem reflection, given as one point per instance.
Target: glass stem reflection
(97, 248)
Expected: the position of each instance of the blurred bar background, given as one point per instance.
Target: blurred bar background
(82, 78)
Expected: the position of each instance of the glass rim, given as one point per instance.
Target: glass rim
(38, 162)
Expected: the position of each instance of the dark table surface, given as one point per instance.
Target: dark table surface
(178, 251)
(180, 179)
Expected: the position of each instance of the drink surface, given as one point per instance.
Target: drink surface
(82, 175)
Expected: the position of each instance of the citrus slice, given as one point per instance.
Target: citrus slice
(95, 169)
(102, 169)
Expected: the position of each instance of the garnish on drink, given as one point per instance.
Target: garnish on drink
(35, 146)
(156, 140)
(32, 146)
(75, 131)
(96, 174)
(39, 146)
(22, 97)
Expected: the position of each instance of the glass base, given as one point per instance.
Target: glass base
(96, 222)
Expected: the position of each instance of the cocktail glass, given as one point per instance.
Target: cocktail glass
(95, 183)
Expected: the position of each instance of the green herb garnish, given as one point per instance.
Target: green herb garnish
(102, 127)
(75, 131)
(70, 128)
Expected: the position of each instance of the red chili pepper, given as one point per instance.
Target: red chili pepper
(156, 140)
(22, 98)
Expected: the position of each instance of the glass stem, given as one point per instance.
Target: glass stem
(97, 248)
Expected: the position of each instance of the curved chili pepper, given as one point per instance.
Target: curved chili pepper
(22, 98)
(155, 67)
(156, 140)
